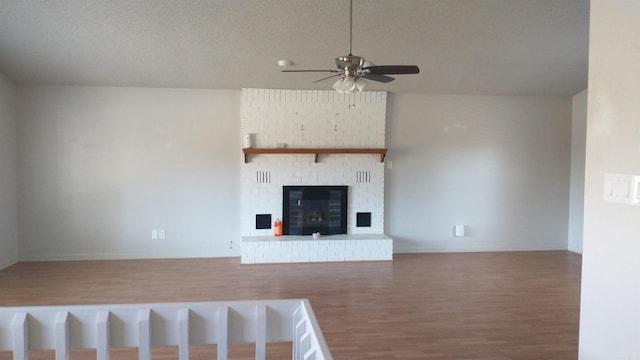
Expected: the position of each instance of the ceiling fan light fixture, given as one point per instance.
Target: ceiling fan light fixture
(361, 84)
(349, 84)
(339, 85)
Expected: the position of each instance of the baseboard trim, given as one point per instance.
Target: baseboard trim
(89, 257)
(400, 250)
(7, 264)
(141, 256)
(575, 251)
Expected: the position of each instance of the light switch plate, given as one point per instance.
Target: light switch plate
(622, 188)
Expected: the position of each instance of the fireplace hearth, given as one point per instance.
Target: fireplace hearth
(314, 209)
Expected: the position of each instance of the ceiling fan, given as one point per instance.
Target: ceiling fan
(352, 69)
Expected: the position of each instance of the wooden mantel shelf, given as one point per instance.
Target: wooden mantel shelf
(316, 151)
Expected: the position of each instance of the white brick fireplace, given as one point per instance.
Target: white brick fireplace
(314, 119)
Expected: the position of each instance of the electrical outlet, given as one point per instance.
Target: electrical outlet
(161, 234)
(154, 234)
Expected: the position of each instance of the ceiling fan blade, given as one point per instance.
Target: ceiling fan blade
(378, 77)
(331, 71)
(325, 78)
(392, 69)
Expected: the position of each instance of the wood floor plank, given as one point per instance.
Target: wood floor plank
(503, 305)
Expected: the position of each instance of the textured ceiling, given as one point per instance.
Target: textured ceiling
(503, 47)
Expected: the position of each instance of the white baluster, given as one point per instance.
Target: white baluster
(261, 332)
(310, 355)
(20, 336)
(305, 342)
(102, 336)
(144, 334)
(299, 330)
(62, 335)
(183, 334)
(223, 332)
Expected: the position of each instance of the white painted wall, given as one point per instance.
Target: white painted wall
(610, 314)
(576, 190)
(498, 165)
(8, 174)
(101, 167)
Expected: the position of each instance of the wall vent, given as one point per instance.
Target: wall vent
(263, 177)
(363, 176)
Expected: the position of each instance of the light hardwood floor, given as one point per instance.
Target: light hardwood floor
(505, 305)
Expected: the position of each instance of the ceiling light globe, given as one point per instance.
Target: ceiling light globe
(349, 84)
(339, 85)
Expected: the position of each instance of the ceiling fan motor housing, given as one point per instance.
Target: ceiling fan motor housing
(350, 61)
(350, 64)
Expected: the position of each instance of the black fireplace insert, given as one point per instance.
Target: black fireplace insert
(310, 209)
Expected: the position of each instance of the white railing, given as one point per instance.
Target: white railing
(102, 327)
